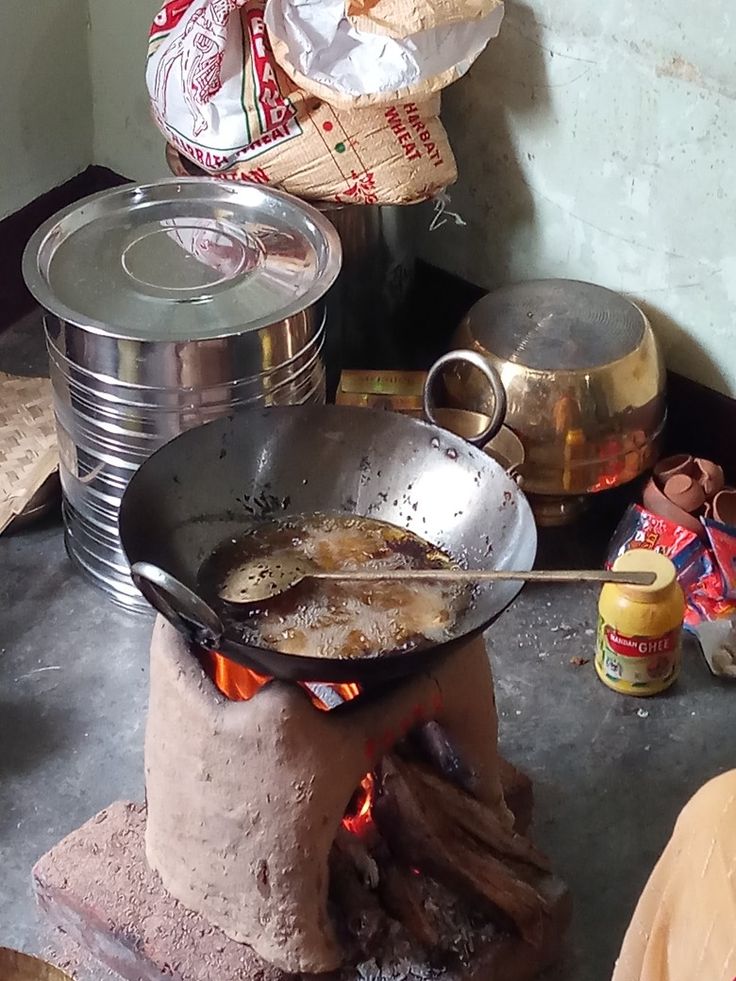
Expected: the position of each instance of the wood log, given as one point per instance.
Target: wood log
(436, 747)
(434, 744)
(466, 847)
(469, 814)
(360, 911)
(518, 794)
(358, 851)
(402, 896)
(370, 919)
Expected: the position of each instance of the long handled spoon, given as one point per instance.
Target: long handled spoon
(263, 579)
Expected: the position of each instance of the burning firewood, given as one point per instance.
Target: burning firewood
(468, 814)
(355, 850)
(403, 898)
(436, 745)
(431, 824)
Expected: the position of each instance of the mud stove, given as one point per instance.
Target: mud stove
(313, 832)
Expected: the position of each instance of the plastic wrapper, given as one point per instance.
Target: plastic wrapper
(381, 54)
(697, 571)
(722, 540)
(717, 639)
(402, 19)
(222, 101)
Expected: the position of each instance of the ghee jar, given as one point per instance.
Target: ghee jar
(639, 627)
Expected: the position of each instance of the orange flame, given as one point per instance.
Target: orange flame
(361, 819)
(240, 684)
(234, 680)
(347, 692)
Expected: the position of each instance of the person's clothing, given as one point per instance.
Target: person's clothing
(684, 926)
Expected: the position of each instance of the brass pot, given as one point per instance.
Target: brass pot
(584, 381)
(15, 966)
(505, 447)
(487, 432)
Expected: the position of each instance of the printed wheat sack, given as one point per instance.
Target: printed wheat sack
(220, 98)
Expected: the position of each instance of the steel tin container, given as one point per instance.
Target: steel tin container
(168, 305)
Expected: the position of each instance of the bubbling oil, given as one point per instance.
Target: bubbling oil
(332, 619)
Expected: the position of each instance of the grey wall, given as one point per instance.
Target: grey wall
(598, 141)
(45, 98)
(125, 139)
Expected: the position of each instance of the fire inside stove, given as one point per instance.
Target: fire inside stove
(240, 683)
(359, 817)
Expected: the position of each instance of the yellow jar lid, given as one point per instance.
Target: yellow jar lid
(646, 560)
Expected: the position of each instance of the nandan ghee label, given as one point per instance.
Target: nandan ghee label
(637, 665)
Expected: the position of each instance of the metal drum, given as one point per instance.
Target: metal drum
(169, 305)
(369, 308)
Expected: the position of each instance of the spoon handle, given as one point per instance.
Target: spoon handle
(472, 575)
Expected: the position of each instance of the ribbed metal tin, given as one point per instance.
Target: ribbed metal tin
(119, 398)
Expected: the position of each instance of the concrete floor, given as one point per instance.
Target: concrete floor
(610, 773)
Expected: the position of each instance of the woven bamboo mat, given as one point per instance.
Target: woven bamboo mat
(28, 453)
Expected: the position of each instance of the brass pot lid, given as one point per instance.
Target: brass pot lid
(556, 324)
(15, 966)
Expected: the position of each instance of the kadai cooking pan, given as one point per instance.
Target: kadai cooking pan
(216, 480)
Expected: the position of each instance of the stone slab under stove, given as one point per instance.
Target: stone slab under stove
(97, 888)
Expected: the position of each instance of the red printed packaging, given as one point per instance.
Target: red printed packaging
(722, 540)
(706, 592)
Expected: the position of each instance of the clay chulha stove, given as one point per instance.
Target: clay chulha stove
(303, 831)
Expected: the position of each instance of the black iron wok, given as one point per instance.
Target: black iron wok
(213, 481)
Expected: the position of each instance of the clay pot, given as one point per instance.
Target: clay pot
(681, 463)
(723, 507)
(711, 476)
(656, 502)
(684, 492)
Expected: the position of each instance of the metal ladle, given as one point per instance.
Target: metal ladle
(265, 579)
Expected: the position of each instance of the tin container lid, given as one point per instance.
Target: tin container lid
(185, 259)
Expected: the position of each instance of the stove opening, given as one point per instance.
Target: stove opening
(240, 684)
(359, 815)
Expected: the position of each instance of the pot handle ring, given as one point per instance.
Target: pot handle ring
(492, 377)
(182, 608)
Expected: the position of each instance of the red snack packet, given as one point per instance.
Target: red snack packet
(640, 528)
(722, 540)
(697, 571)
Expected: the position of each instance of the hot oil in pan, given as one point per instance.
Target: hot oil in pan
(335, 619)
